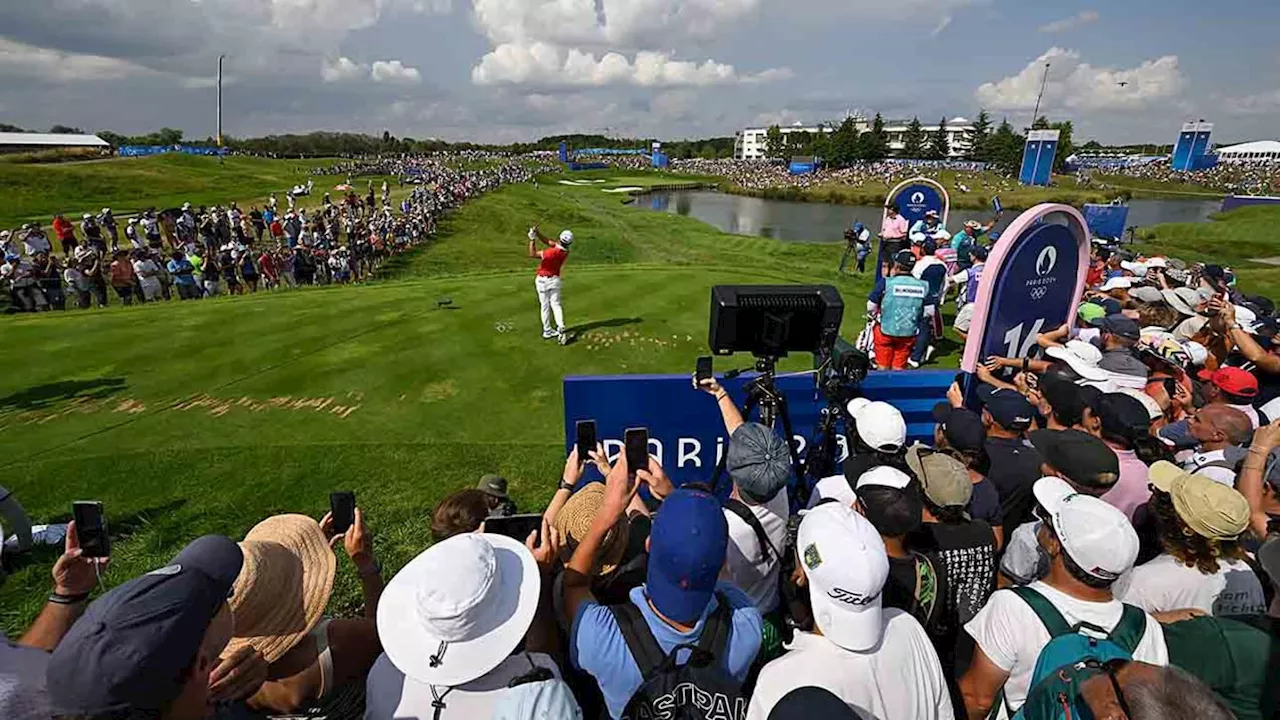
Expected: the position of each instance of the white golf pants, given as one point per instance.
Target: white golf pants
(549, 301)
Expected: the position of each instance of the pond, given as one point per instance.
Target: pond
(820, 222)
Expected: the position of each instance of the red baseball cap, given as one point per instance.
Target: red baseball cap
(1232, 380)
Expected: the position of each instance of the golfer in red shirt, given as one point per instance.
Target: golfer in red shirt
(547, 282)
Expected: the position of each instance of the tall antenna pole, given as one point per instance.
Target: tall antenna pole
(220, 57)
(1035, 114)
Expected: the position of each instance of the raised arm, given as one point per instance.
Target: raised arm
(619, 486)
(1251, 483)
(73, 579)
(728, 411)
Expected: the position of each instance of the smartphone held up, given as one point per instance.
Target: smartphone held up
(91, 528)
(342, 509)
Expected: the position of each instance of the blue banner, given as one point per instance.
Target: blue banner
(1038, 156)
(1032, 283)
(145, 150)
(1106, 221)
(1192, 148)
(686, 432)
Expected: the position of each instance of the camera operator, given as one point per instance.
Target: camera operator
(858, 242)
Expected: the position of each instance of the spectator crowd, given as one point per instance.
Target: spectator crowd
(194, 252)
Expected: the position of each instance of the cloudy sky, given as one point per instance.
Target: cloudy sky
(503, 70)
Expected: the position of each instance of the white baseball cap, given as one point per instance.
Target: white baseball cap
(1117, 282)
(1198, 353)
(1094, 534)
(1083, 357)
(884, 476)
(457, 610)
(880, 425)
(1149, 403)
(846, 564)
(566, 238)
(834, 487)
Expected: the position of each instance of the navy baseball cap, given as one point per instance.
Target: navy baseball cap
(961, 427)
(1120, 326)
(134, 646)
(687, 546)
(1008, 408)
(979, 252)
(904, 259)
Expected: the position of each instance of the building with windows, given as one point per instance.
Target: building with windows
(751, 143)
(1259, 151)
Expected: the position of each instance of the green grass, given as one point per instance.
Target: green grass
(206, 417)
(127, 185)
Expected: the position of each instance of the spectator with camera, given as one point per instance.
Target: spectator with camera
(873, 658)
(680, 604)
(1090, 545)
(151, 646)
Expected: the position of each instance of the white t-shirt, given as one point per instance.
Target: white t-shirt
(389, 694)
(901, 678)
(1166, 584)
(1250, 412)
(744, 565)
(1012, 636)
(1196, 464)
(22, 689)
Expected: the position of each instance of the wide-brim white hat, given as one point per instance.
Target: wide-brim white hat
(457, 610)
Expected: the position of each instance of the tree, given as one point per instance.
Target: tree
(775, 145)
(978, 138)
(939, 147)
(913, 140)
(844, 144)
(878, 145)
(1004, 148)
(65, 130)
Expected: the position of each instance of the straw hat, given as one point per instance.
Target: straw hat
(284, 585)
(574, 521)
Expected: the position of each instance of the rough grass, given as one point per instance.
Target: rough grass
(1231, 239)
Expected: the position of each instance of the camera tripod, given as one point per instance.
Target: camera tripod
(763, 396)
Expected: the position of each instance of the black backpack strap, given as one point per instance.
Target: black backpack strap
(739, 508)
(715, 631)
(639, 638)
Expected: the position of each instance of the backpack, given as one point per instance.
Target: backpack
(699, 689)
(1071, 657)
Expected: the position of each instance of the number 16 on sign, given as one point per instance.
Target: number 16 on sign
(1018, 346)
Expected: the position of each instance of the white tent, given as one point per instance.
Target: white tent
(15, 139)
(1257, 151)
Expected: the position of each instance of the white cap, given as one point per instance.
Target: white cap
(1137, 268)
(87, 216)
(1094, 534)
(469, 624)
(884, 476)
(1148, 402)
(566, 238)
(106, 210)
(1198, 353)
(835, 487)
(845, 562)
(880, 425)
(1117, 282)
(1157, 262)
(1083, 357)
(1246, 318)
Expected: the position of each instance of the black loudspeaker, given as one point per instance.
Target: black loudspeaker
(773, 320)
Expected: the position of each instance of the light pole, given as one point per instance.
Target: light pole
(220, 58)
(1035, 114)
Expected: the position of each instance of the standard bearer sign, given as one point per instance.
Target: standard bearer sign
(1037, 157)
(1031, 284)
(914, 198)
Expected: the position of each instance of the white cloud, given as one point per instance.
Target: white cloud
(394, 71)
(1077, 85)
(54, 66)
(1263, 103)
(620, 24)
(1084, 17)
(343, 69)
(548, 65)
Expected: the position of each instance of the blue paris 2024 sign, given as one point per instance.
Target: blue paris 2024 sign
(1031, 284)
(916, 199)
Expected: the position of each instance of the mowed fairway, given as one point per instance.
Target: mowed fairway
(205, 417)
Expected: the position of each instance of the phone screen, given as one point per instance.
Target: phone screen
(704, 370)
(91, 527)
(586, 438)
(342, 505)
(516, 527)
(637, 443)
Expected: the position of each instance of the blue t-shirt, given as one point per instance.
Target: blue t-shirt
(597, 646)
(984, 504)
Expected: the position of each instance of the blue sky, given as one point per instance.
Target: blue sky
(502, 70)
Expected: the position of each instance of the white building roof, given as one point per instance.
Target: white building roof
(52, 140)
(1257, 146)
